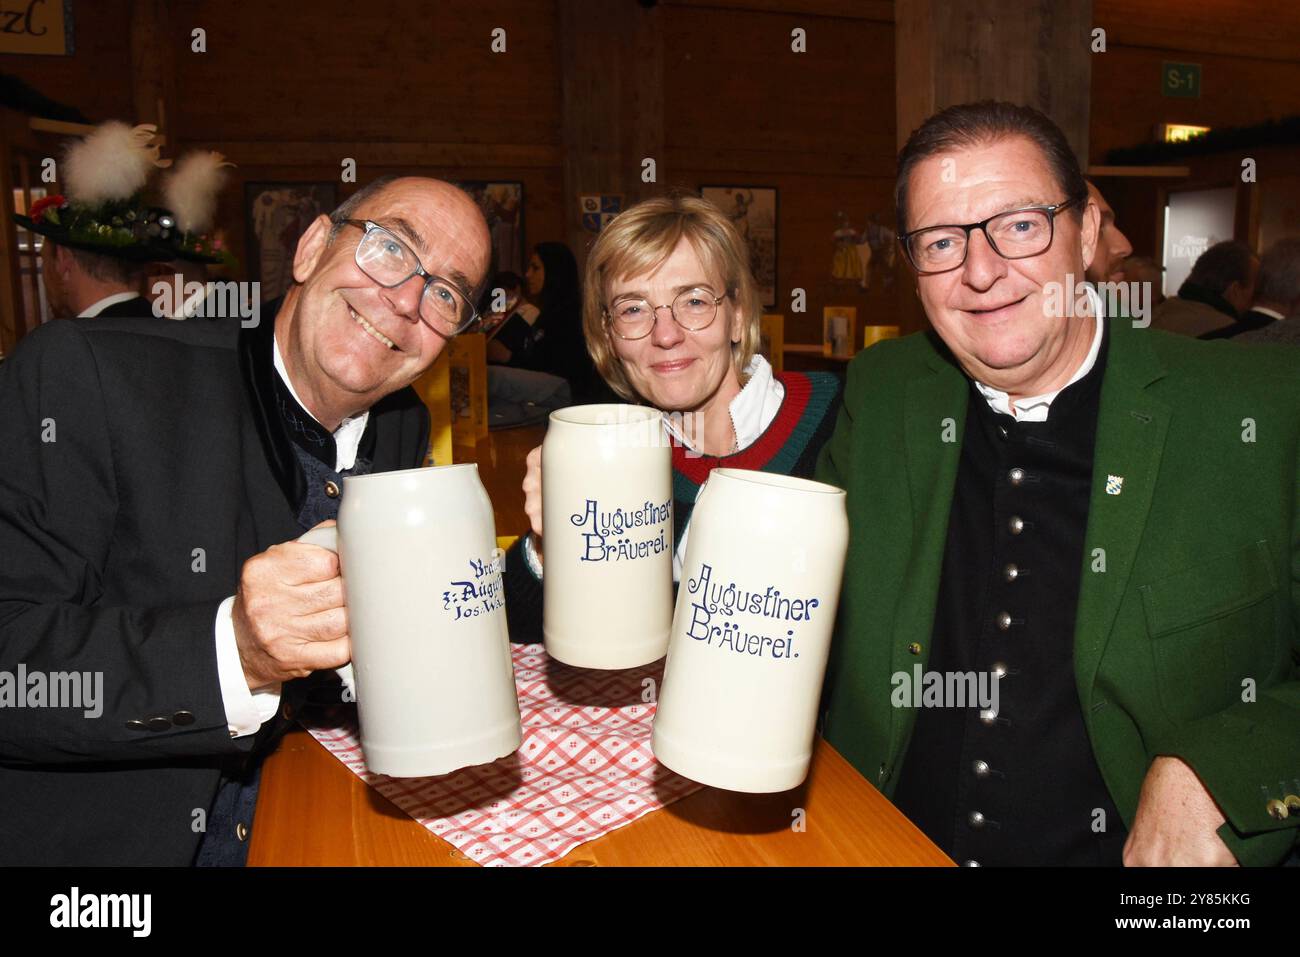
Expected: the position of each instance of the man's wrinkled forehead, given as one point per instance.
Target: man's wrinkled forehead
(983, 179)
(443, 227)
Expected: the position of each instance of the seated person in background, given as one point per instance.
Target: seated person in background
(1277, 296)
(1076, 513)
(511, 330)
(672, 316)
(552, 280)
(1216, 292)
(517, 393)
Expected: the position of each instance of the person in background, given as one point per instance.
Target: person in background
(1216, 292)
(1277, 293)
(1113, 247)
(102, 234)
(1143, 269)
(518, 394)
(1063, 509)
(672, 316)
(552, 280)
(510, 329)
(84, 284)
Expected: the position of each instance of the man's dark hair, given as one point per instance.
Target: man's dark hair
(977, 124)
(124, 272)
(1279, 273)
(1220, 266)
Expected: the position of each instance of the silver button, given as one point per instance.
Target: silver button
(332, 489)
(988, 716)
(981, 769)
(1016, 524)
(975, 819)
(1011, 573)
(135, 724)
(241, 831)
(999, 670)
(1016, 476)
(1004, 621)
(970, 863)
(1002, 431)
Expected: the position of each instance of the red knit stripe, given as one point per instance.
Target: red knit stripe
(798, 390)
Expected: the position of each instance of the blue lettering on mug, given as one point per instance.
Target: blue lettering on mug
(480, 594)
(726, 601)
(608, 535)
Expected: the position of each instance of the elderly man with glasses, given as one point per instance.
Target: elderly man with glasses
(1099, 521)
(155, 480)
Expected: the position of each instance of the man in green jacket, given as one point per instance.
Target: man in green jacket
(1071, 605)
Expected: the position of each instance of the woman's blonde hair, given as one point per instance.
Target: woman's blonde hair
(639, 240)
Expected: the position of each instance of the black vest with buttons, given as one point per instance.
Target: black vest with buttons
(1019, 786)
(225, 840)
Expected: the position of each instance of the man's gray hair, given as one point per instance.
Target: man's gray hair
(349, 206)
(1279, 273)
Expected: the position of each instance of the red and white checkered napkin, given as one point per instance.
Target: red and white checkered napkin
(584, 767)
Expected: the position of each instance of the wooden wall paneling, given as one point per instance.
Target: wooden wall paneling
(1128, 104)
(404, 71)
(153, 63)
(878, 10)
(611, 68)
(1252, 29)
(743, 108)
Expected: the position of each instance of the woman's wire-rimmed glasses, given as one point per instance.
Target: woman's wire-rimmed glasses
(632, 317)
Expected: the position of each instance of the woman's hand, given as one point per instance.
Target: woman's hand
(533, 496)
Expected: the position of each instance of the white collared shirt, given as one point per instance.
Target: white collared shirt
(96, 308)
(347, 437)
(1035, 408)
(247, 710)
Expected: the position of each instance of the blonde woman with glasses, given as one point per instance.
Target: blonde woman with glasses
(671, 317)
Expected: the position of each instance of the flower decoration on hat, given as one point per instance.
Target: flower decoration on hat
(104, 208)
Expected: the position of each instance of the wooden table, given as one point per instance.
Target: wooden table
(311, 810)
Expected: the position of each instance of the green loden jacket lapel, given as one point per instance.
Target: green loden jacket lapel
(935, 404)
(1131, 429)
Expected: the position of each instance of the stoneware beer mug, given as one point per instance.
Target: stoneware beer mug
(752, 631)
(435, 684)
(608, 532)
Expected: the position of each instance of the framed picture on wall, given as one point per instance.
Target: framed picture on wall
(277, 215)
(503, 208)
(753, 209)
